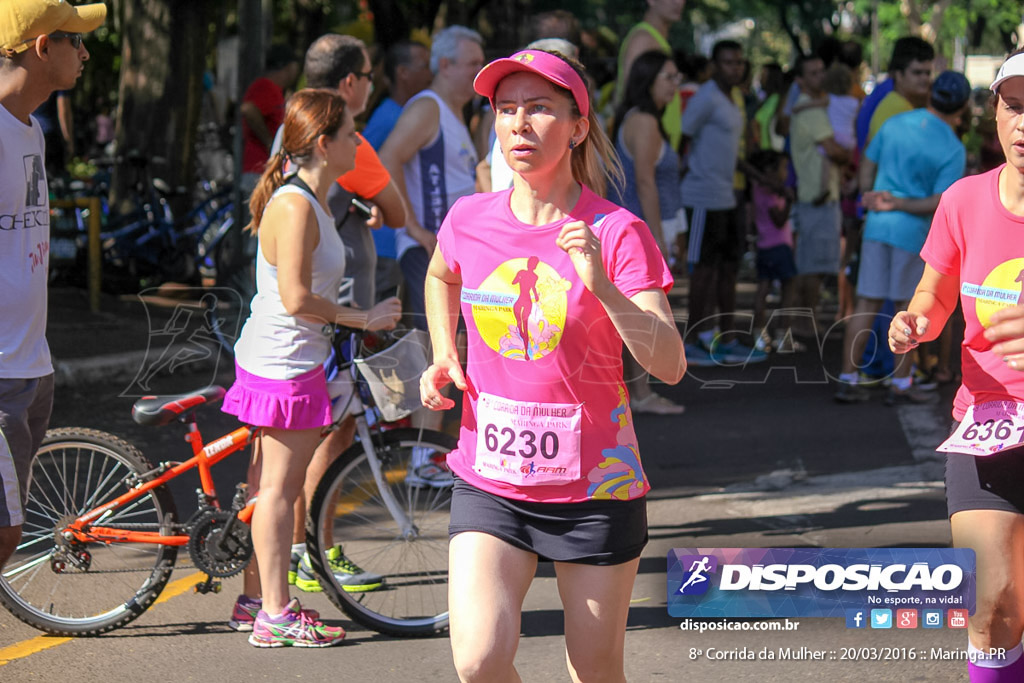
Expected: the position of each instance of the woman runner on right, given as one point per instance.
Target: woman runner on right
(976, 249)
(547, 464)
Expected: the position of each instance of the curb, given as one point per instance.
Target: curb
(121, 367)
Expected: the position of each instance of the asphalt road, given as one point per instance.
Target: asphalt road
(762, 457)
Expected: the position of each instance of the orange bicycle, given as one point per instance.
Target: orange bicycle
(102, 533)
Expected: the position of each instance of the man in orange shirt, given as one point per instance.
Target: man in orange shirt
(342, 63)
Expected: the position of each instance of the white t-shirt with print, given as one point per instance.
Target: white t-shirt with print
(24, 250)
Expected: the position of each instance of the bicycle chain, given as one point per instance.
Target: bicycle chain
(140, 526)
(136, 571)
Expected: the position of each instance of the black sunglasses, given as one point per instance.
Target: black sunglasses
(74, 38)
(368, 75)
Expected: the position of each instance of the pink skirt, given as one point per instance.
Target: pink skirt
(298, 403)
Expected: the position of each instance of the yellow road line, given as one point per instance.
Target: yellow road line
(29, 647)
(40, 643)
(179, 586)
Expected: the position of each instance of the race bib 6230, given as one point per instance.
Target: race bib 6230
(526, 443)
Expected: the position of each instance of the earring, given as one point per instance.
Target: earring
(572, 144)
(324, 164)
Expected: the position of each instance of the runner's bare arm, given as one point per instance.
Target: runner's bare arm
(1007, 333)
(933, 302)
(441, 292)
(644, 321)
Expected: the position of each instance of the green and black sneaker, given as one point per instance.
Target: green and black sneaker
(347, 574)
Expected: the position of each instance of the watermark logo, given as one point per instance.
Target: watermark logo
(695, 581)
(189, 333)
(812, 582)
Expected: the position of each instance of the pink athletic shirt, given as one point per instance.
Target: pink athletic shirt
(975, 239)
(768, 234)
(517, 283)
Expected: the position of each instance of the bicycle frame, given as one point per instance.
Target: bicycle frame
(205, 456)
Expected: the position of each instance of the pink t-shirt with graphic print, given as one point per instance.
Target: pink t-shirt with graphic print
(974, 239)
(539, 339)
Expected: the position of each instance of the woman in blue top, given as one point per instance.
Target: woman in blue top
(651, 188)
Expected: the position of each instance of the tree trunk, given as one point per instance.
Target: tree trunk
(162, 60)
(390, 23)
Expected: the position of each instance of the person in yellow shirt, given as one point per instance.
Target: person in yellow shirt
(911, 71)
(652, 34)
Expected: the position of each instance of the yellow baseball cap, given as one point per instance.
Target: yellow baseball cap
(22, 21)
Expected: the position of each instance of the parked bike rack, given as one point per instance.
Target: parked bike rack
(95, 256)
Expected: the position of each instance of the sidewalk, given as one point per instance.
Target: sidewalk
(115, 343)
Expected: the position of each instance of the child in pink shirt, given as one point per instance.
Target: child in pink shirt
(775, 260)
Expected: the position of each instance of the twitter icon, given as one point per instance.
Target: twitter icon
(881, 618)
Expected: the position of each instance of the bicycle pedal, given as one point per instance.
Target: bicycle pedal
(207, 586)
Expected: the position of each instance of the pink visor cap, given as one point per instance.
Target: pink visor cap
(544, 64)
(1014, 66)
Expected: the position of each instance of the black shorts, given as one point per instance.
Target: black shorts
(776, 263)
(597, 532)
(991, 482)
(715, 236)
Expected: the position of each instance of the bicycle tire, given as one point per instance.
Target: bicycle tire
(414, 598)
(76, 470)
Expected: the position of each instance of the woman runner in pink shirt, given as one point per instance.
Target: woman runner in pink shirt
(547, 465)
(975, 250)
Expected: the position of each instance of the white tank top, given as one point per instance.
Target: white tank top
(276, 345)
(439, 173)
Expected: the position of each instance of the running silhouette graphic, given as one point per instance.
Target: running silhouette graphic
(521, 309)
(697, 570)
(1020, 278)
(197, 347)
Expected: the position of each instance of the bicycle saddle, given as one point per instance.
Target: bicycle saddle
(154, 411)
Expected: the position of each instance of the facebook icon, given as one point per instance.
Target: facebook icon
(856, 618)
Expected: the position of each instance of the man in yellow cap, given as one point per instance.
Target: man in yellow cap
(41, 51)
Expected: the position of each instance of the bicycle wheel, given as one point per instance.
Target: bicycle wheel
(348, 509)
(84, 589)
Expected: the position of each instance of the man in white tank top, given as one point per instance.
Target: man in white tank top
(41, 51)
(431, 155)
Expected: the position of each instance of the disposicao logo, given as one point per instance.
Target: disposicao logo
(824, 582)
(695, 581)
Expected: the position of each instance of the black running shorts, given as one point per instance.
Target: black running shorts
(597, 532)
(991, 482)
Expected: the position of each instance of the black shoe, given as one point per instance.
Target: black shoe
(911, 396)
(851, 393)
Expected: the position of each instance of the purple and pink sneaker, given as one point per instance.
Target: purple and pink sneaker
(244, 614)
(295, 627)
